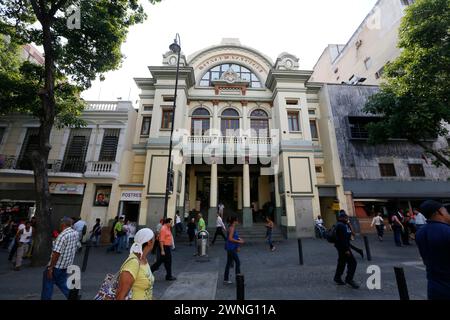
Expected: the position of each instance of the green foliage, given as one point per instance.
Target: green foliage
(414, 95)
(21, 81)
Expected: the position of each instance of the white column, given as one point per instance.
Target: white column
(213, 197)
(247, 218)
(192, 188)
(239, 192)
(246, 177)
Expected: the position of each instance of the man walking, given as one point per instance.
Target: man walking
(420, 220)
(345, 256)
(62, 256)
(164, 251)
(220, 229)
(23, 240)
(96, 232)
(433, 240)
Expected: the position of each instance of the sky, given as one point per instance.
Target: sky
(301, 27)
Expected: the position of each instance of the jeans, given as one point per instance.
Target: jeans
(232, 256)
(59, 278)
(380, 230)
(269, 238)
(397, 235)
(122, 243)
(166, 259)
(96, 237)
(344, 260)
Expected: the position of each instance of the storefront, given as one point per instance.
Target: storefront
(130, 203)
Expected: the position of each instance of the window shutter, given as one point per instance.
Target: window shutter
(74, 160)
(30, 144)
(109, 145)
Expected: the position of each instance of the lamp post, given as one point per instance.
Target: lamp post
(175, 48)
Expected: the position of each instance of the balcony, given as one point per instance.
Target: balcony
(236, 146)
(69, 168)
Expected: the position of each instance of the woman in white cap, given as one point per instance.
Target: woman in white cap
(135, 274)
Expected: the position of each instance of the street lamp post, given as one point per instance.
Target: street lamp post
(176, 48)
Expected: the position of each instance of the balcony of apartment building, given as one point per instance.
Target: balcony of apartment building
(83, 152)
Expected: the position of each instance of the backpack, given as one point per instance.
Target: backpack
(330, 234)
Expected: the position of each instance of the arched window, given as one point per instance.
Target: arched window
(259, 123)
(216, 73)
(229, 123)
(200, 122)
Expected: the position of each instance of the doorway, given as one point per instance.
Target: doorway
(130, 209)
(226, 195)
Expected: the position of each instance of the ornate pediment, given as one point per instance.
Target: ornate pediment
(231, 77)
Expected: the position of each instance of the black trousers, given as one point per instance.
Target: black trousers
(166, 259)
(219, 231)
(345, 260)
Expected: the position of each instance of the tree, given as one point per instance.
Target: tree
(79, 52)
(413, 98)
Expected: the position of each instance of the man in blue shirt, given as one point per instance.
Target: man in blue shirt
(433, 241)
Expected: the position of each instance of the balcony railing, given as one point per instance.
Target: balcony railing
(101, 106)
(96, 168)
(229, 140)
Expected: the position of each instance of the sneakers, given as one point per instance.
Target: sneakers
(227, 282)
(273, 249)
(352, 284)
(339, 281)
(171, 278)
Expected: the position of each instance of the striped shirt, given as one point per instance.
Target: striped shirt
(66, 246)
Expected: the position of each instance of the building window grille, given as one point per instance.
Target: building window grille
(200, 122)
(314, 130)
(148, 108)
(146, 123)
(217, 72)
(30, 144)
(387, 170)
(259, 123)
(110, 142)
(75, 157)
(166, 119)
(416, 170)
(229, 122)
(293, 121)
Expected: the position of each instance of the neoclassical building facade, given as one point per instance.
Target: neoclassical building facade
(245, 134)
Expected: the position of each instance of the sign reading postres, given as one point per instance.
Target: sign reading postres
(131, 195)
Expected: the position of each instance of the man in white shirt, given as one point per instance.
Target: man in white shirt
(221, 208)
(178, 224)
(420, 220)
(220, 229)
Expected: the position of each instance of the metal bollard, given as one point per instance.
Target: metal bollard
(366, 243)
(300, 251)
(86, 256)
(401, 283)
(240, 287)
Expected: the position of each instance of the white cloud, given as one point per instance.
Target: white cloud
(303, 28)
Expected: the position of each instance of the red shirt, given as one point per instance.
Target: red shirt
(165, 236)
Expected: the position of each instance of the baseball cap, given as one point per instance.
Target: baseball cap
(429, 207)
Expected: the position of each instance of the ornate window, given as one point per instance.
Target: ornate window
(200, 122)
(259, 123)
(217, 72)
(229, 122)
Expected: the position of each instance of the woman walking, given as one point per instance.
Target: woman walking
(379, 225)
(232, 246)
(135, 273)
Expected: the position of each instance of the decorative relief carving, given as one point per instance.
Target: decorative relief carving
(287, 61)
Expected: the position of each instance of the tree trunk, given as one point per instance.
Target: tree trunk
(43, 243)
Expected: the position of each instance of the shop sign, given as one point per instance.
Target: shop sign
(66, 188)
(131, 195)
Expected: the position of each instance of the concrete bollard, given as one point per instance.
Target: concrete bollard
(368, 253)
(240, 287)
(401, 283)
(300, 251)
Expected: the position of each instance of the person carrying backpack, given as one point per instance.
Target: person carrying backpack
(343, 234)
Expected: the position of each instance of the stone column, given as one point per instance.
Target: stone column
(192, 188)
(239, 192)
(350, 203)
(212, 213)
(278, 209)
(247, 211)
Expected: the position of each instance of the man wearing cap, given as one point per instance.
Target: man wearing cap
(342, 244)
(433, 240)
(64, 250)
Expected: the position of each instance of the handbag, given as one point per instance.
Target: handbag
(108, 288)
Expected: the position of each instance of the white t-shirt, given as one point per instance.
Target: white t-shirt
(420, 219)
(177, 219)
(319, 221)
(219, 223)
(25, 237)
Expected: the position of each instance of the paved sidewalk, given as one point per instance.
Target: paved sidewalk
(268, 275)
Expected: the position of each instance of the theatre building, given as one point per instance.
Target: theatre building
(246, 134)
